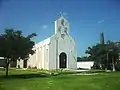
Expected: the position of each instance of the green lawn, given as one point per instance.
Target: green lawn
(102, 81)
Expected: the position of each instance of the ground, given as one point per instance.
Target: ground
(27, 80)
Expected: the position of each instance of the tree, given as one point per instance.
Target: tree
(78, 59)
(113, 53)
(104, 55)
(14, 46)
(84, 58)
(97, 54)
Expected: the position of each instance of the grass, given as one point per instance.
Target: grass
(34, 80)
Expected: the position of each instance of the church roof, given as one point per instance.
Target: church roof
(42, 43)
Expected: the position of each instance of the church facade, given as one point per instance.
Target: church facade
(57, 51)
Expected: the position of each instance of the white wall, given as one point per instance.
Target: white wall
(1, 57)
(2, 62)
(38, 58)
(52, 53)
(85, 64)
(66, 45)
(20, 63)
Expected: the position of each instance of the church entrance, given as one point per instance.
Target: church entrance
(62, 60)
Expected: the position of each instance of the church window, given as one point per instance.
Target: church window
(63, 35)
(65, 30)
(62, 22)
(59, 29)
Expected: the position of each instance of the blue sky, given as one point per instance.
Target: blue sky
(87, 19)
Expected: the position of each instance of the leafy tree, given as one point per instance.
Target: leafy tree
(104, 55)
(84, 58)
(78, 59)
(113, 53)
(14, 46)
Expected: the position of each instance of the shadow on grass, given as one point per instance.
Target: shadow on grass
(24, 76)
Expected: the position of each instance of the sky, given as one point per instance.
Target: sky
(87, 18)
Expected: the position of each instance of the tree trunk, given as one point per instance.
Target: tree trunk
(106, 68)
(7, 66)
(113, 64)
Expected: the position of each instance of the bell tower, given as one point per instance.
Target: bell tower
(62, 26)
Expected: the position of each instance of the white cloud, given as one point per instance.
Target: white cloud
(44, 26)
(101, 21)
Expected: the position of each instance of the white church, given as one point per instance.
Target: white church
(55, 52)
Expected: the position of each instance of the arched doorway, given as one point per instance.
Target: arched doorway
(62, 60)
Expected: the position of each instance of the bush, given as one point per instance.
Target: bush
(29, 67)
(96, 66)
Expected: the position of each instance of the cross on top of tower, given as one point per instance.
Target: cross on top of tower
(61, 14)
